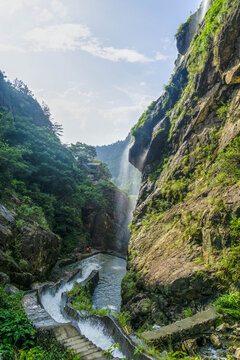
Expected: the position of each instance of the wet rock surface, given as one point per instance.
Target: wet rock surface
(109, 225)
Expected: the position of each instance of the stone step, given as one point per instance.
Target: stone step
(65, 331)
(81, 347)
(96, 356)
(93, 352)
(84, 348)
(73, 338)
(69, 342)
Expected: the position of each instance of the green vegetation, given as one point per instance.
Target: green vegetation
(81, 299)
(53, 182)
(187, 312)
(15, 331)
(229, 160)
(181, 27)
(175, 97)
(129, 286)
(202, 42)
(143, 118)
(229, 304)
(38, 353)
(18, 337)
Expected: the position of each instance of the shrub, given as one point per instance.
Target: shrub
(229, 304)
(129, 287)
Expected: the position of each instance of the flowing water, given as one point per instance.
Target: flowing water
(107, 294)
(204, 8)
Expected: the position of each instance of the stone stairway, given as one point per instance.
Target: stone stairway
(70, 338)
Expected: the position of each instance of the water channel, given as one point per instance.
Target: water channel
(107, 294)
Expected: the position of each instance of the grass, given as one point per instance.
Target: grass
(229, 304)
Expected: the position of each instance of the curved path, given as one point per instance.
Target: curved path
(65, 334)
(70, 338)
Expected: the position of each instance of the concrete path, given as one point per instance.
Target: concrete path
(188, 328)
(70, 338)
(35, 312)
(65, 334)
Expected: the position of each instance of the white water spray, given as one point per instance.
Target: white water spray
(204, 8)
(107, 294)
(51, 299)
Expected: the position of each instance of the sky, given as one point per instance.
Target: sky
(98, 64)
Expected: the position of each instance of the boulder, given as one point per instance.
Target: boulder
(4, 278)
(40, 247)
(222, 328)
(7, 264)
(37, 285)
(237, 354)
(191, 346)
(7, 227)
(215, 341)
(10, 289)
(22, 278)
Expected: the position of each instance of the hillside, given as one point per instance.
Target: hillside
(184, 248)
(54, 198)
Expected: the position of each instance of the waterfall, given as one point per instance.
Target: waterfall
(128, 182)
(204, 8)
(129, 179)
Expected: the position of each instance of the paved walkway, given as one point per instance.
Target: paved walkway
(179, 331)
(70, 338)
(65, 334)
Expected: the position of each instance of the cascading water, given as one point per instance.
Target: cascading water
(107, 294)
(51, 299)
(204, 8)
(128, 174)
(111, 271)
(129, 182)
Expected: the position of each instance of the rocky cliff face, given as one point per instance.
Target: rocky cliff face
(27, 252)
(184, 246)
(108, 225)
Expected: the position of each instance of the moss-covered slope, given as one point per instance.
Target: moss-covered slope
(185, 246)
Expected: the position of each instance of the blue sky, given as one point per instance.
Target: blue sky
(98, 64)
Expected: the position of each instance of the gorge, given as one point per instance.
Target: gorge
(65, 211)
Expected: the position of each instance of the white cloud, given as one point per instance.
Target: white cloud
(57, 37)
(59, 8)
(79, 37)
(7, 9)
(110, 53)
(53, 9)
(9, 48)
(160, 56)
(45, 15)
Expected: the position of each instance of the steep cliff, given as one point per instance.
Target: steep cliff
(184, 245)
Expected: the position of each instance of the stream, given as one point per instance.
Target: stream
(107, 294)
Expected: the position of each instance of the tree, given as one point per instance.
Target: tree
(83, 152)
(20, 86)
